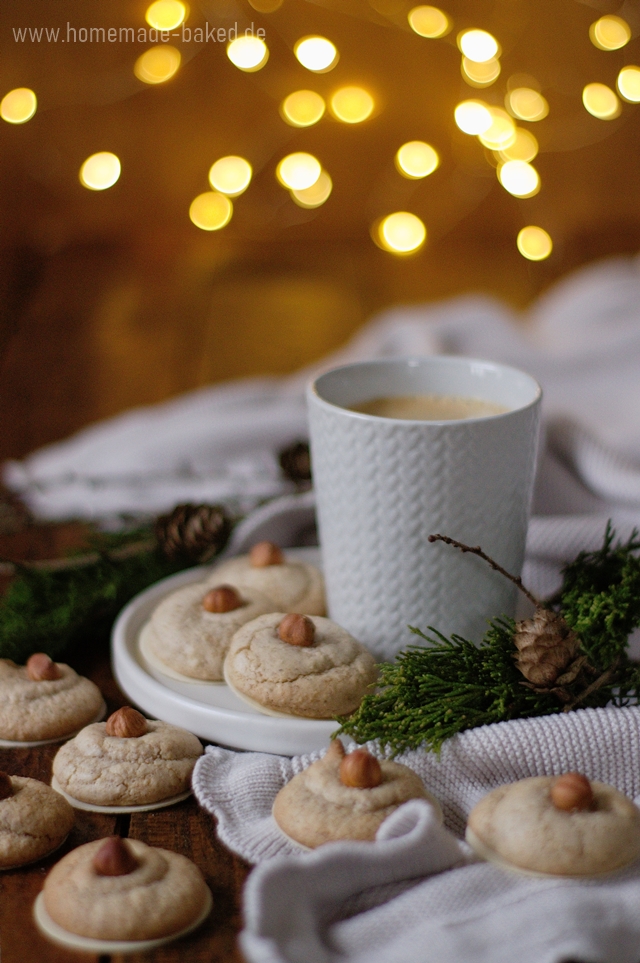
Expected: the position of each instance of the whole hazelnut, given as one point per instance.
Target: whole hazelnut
(265, 553)
(114, 858)
(361, 770)
(6, 789)
(297, 630)
(40, 668)
(222, 598)
(126, 723)
(572, 791)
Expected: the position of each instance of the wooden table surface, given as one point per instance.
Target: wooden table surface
(184, 828)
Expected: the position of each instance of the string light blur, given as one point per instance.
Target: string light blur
(248, 53)
(524, 147)
(18, 106)
(231, 175)
(473, 117)
(601, 101)
(166, 14)
(157, 64)
(401, 233)
(610, 33)
(519, 178)
(210, 211)
(316, 53)
(534, 243)
(480, 74)
(502, 132)
(478, 45)
(429, 22)
(629, 84)
(316, 195)
(352, 105)
(302, 108)
(415, 159)
(100, 171)
(298, 171)
(525, 103)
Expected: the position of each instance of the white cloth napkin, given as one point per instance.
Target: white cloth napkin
(416, 895)
(581, 340)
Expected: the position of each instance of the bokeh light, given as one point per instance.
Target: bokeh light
(352, 105)
(629, 84)
(601, 101)
(166, 14)
(230, 175)
(18, 106)
(266, 6)
(157, 64)
(480, 74)
(519, 178)
(473, 117)
(248, 53)
(401, 233)
(429, 22)
(524, 147)
(210, 211)
(100, 171)
(534, 243)
(316, 53)
(610, 33)
(415, 159)
(302, 108)
(501, 133)
(525, 103)
(316, 195)
(298, 171)
(478, 45)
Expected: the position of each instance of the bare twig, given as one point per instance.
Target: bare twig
(487, 558)
(78, 561)
(594, 686)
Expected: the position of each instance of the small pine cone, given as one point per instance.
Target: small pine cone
(546, 647)
(193, 533)
(295, 462)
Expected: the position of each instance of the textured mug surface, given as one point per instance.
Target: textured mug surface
(384, 485)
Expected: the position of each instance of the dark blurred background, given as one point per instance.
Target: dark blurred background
(113, 298)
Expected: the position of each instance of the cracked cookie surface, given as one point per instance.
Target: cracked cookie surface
(108, 770)
(291, 586)
(34, 821)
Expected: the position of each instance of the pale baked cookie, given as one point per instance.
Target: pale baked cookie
(44, 700)
(112, 889)
(190, 630)
(557, 825)
(34, 820)
(292, 586)
(127, 761)
(299, 665)
(345, 797)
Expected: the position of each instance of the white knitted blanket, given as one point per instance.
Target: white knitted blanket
(415, 895)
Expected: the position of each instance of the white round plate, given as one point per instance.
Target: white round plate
(212, 712)
(10, 744)
(117, 810)
(104, 947)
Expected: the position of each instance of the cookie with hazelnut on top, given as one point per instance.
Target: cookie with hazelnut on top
(290, 584)
(298, 665)
(45, 701)
(565, 825)
(190, 630)
(345, 796)
(127, 761)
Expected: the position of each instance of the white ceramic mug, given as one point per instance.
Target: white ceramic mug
(384, 485)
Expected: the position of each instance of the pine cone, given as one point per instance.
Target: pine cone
(295, 462)
(193, 533)
(546, 647)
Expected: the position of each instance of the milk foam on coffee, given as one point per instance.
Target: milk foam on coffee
(429, 407)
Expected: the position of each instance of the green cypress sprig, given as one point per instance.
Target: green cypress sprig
(431, 693)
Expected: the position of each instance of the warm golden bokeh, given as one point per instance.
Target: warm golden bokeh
(303, 108)
(298, 171)
(401, 233)
(416, 159)
(211, 211)
(629, 84)
(429, 21)
(166, 14)
(480, 74)
(473, 117)
(248, 53)
(534, 243)
(610, 33)
(519, 178)
(478, 45)
(316, 54)
(527, 104)
(316, 195)
(157, 64)
(18, 106)
(601, 101)
(100, 171)
(352, 105)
